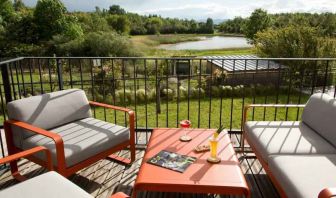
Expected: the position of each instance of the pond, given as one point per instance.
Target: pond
(206, 43)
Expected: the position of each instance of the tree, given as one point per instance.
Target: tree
(209, 25)
(98, 10)
(18, 5)
(287, 42)
(93, 22)
(328, 24)
(107, 44)
(233, 26)
(153, 25)
(258, 21)
(50, 18)
(119, 23)
(116, 9)
(73, 31)
(7, 14)
(193, 26)
(294, 42)
(297, 41)
(23, 30)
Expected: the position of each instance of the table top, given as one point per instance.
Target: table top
(225, 177)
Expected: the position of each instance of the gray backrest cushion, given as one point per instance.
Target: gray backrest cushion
(48, 111)
(320, 115)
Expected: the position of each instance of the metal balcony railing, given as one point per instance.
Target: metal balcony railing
(209, 91)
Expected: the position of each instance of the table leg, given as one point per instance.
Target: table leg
(134, 194)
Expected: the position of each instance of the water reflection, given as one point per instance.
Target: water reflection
(214, 42)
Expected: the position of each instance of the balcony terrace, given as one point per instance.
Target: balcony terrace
(163, 91)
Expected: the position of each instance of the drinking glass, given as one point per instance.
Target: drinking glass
(185, 124)
(213, 148)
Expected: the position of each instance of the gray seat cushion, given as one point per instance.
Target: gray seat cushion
(304, 176)
(50, 184)
(82, 139)
(285, 137)
(48, 111)
(320, 115)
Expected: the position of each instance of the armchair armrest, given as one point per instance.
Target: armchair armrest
(247, 107)
(131, 115)
(276, 105)
(129, 111)
(29, 152)
(55, 137)
(327, 193)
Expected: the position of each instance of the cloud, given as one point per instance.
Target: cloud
(200, 9)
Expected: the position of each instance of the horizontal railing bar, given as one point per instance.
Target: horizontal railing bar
(11, 60)
(174, 58)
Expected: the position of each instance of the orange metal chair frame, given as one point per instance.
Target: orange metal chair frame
(61, 165)
(325, 193)
(26, 153)
(13, 159)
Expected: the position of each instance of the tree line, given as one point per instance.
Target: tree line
(325, 23)
(287, 34)
(50, 29)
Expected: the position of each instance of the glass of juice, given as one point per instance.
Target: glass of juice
(213, 158)
(213, 148)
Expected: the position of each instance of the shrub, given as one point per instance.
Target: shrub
(248, 91)
(151, 95)
(168, 93)
(129, 96)
(227, 90)
(215, 91)
(124, 97)
(140, 95)
(238, 90)
(109, 99)
(194, 92)
(183, 92)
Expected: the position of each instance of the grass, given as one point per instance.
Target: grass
(197, 113)
(148, 45)
(173, 38)
(233, 51)
(169, 118)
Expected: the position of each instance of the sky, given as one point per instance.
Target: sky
(202, 9)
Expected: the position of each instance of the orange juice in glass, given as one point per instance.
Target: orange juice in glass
(213, 148)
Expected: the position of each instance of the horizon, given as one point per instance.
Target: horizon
(201, 9)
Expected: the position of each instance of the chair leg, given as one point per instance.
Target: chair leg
(15, 171)
(242, 143)
(122, 159)
(132, 151)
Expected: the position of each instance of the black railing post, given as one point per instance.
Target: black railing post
(158, 99)
(59, 73)
(6, 83)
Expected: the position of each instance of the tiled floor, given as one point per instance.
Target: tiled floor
(106, 177)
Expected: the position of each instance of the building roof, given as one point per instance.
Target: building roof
(230, 63)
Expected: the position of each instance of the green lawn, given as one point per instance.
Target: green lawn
(227, 104)
(235, 122)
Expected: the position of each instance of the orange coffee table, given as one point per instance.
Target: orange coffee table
(225, 177)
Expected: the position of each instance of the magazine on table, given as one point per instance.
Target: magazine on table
(172, 161)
